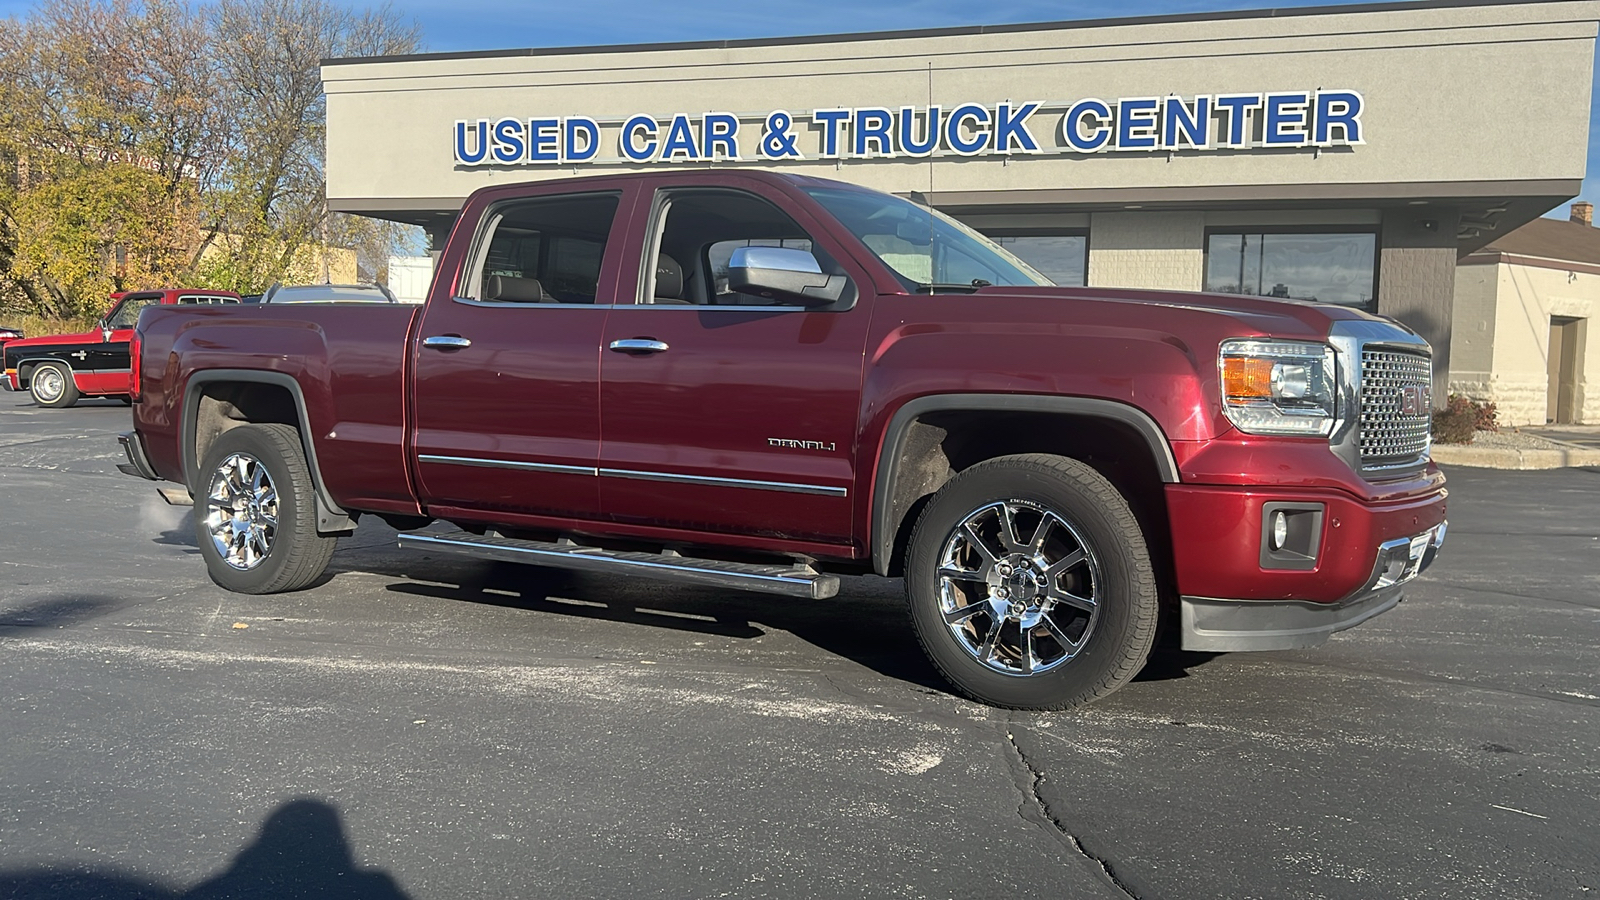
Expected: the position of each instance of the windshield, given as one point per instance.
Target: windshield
(927, 249)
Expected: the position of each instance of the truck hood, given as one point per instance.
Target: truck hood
(1266, 315)
(51, 340)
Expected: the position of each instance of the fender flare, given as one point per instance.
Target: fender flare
(330, 516)
(883, 531)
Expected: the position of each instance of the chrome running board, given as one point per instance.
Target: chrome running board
(793, 580)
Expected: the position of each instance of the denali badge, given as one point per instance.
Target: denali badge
(800, 445)
(1413, 399)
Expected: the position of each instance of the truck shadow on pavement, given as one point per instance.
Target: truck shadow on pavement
(59, 611)
(866, 623)
(300, 853)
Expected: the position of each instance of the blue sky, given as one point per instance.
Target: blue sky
(451, 25)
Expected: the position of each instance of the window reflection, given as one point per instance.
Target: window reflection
(1062, 258)
(1330, 268)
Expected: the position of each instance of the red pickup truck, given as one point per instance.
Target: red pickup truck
(765, 381)
(57, 369)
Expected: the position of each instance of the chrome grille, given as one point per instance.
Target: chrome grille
(1396, 408)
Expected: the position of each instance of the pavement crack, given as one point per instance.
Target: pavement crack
(1034, 809)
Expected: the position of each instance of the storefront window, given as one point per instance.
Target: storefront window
(1327, 267)
(1062, 258)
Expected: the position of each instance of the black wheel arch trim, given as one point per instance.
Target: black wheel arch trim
(33, 362)
(331, 518)
(883, 531)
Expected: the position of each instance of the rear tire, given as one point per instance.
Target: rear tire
(52, 386)
(255, 512)
(1030, 584)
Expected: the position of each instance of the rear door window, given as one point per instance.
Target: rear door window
(543, 250)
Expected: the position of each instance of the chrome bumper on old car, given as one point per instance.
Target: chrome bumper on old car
(1224, 626)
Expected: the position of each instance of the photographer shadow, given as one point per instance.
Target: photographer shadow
(300, 853)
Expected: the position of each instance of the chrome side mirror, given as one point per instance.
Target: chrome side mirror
(783, 274)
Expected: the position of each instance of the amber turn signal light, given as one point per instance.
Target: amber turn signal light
(1247, 378)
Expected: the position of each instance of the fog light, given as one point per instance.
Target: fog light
(1291, 534)
(1280, 529)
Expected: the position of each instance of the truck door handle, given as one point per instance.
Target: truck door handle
(639, 345)
(446, 342)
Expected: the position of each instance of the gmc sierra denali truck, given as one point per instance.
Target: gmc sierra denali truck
(764, 381)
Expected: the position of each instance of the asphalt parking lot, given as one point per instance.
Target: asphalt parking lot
(436, 728)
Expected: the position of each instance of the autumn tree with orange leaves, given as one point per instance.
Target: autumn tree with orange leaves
(149, 143)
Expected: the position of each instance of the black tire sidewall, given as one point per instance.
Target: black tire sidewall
(1128, 601)
(257, 441)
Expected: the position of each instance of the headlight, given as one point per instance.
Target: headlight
(1278, 387)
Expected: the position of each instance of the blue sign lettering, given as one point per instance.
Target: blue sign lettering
(955, 126)
(870, 127)
(719, 133)
(544, 139)
(1286, 116)
(929, 142)
(828, 120)
(477, 155)
(630, 135)
(1097, 115)
(1341, 111)
(1180, 124)
(570, 128)
(1203, 122)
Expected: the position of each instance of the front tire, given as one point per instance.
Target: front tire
(52, 386)
(1030, 584)
(255, 513)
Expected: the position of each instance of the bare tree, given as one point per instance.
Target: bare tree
(271, 52)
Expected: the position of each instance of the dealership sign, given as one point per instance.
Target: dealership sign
(1285, 119)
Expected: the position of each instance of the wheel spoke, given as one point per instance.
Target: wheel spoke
(1008, 529)
(1065, 563)
(957, 616)
(1040, 533)
(956, 573)
(1067, 598)
(1049, 624)
(977, 544)
(1028, 656)
(986, 652)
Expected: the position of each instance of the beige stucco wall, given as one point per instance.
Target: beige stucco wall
(1517, 339)
(1452, 95)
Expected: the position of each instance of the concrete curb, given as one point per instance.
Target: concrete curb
(1513, 458)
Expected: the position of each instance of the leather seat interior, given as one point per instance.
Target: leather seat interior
(511, 289)
(669, 281)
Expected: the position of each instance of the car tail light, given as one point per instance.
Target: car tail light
(135, 365)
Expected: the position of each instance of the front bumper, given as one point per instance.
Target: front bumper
(1223, 626)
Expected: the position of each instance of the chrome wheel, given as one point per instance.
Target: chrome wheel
(242, 511)
(1019, 587)
(47, 384)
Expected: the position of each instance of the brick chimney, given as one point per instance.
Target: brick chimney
(1583, 213)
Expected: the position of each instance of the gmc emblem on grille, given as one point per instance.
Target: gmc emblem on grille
(1413, 399)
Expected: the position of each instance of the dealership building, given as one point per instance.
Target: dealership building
(1346, 154)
